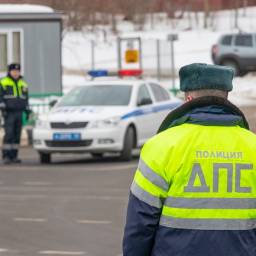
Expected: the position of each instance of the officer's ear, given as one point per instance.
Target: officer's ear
(188, 97)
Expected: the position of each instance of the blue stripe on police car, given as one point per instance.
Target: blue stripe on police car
(150, 110)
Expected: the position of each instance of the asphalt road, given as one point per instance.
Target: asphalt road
(75, 206)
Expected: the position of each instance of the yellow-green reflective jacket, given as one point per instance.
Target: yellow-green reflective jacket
(199, 179)
(14, 93)
(204, 177)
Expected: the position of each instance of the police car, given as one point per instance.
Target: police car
(102, 116)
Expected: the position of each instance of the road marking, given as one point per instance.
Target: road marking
(9, 252)
(3, 250)
(116, 168)
(22, 197)
(69, 197)
(78, 167)
(104, 197)
(104, 222)
(61, 253)
(37, 183)
(30, 219)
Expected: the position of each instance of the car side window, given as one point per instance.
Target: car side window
(160, 93)
(226, 40)
(143, 94)
(244, 40)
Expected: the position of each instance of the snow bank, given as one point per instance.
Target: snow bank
(24, 8)
(244, 92)
(71, 81)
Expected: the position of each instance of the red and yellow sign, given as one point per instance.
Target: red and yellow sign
(132, 56)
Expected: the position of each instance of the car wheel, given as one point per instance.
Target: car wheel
(97, 155)
(126, 153)
(45, 158)
(232, 64)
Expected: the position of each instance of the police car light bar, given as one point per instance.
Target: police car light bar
(98, 73)
(130, 72)
(120, 73)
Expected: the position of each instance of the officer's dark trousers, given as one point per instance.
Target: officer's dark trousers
(12, 129)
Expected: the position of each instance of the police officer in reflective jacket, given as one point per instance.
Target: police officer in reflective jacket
(194, 191)
(13, 102)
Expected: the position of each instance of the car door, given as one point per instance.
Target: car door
(162, 104)
(225, 45)
(244, 48)
(144, 114)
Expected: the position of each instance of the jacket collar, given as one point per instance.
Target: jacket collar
(9, 75)
(211, 111)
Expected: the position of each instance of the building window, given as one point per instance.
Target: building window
(10, 48)
(3, 52)
(16, 47)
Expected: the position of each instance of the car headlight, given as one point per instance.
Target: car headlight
(42, 124)
(109, 122)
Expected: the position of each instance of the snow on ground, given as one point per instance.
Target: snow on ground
(24, 8)
(244, 92)
(70, 81)
(194, 45)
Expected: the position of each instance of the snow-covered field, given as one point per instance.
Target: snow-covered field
(194, 42)
(244, 92)
(194, 45)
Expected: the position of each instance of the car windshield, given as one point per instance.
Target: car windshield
(98, 95)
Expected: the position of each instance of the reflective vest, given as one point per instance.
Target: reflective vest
(14, 93)
(203, 178)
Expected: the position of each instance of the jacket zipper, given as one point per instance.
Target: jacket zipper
(17, 88)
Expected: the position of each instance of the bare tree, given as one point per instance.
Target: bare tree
(206, 12)
(245, 5)
(237, 4)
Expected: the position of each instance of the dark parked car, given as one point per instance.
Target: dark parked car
(237, 51)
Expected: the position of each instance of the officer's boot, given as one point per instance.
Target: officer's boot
(7, 161)
(15, 158)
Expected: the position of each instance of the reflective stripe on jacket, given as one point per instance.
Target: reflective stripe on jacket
(194, 192)
(14, 93)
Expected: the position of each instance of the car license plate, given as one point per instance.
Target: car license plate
(67, 136)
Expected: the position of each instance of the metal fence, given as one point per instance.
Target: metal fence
(39, 104)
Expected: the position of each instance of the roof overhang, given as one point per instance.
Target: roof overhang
(13, 17)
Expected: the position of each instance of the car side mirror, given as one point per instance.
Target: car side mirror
(145, 101)
(53, 103)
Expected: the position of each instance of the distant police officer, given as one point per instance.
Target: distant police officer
(13, 101)
(194, 192)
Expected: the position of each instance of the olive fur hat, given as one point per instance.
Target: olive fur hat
(200, 76)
